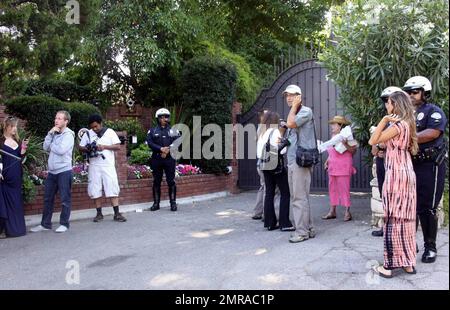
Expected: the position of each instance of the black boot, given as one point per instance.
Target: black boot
(429, 221)
(173, 197)
(156, 198)
(378, 233)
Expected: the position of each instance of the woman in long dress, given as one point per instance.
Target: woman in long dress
(12, 223)
(399, 188)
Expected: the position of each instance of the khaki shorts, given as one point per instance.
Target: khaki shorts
(103, 177)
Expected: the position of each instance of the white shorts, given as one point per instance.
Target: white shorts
(102, 177)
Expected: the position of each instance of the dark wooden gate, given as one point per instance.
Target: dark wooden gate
(321, 96)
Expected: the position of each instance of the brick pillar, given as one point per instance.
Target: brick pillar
(121, 160)
(233, 178)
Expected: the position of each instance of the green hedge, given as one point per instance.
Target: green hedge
(40, 111)
(209, 89)
(59, 89)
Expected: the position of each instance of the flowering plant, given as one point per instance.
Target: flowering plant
(181, 170)
(139, 172)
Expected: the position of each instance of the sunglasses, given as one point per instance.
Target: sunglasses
(384, 99)
(412, 91)
(164, 116)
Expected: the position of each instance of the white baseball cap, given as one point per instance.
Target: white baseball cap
(292, 89)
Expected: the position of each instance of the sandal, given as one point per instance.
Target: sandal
(414, 271)
(348, 217)
(376, 269)
(329, 216)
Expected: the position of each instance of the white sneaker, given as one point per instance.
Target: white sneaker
(61, 229)
(38, 228)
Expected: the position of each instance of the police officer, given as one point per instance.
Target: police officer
(429, 163)
(160, 140)
(379, 151)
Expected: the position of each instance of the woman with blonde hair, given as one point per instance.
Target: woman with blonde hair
(12, 218)
(398, 131)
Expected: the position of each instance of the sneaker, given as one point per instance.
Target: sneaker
(312, 233)
(38, 228)
(98, 218)
(119, 218)
(61, 229)
(290, 228)
(298, 238)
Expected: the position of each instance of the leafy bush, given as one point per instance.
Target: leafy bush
(28, 187)
(209, 88)
(383, 43)
(39, 112)
(59, 89)
(246, 85)
(141, 155)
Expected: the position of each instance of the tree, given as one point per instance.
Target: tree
(35, 38)
(383, 43)
(139, 43)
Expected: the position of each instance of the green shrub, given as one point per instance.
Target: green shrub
(28, 188)
(40, 111)
(141, 155)
(59, 89)
(209, 89)
(381, 44)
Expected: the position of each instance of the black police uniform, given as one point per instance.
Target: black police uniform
(157, 138)
(429, 167)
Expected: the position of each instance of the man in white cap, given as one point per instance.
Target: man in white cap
(301, 132)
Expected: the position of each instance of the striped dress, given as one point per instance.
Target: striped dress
(399, 202)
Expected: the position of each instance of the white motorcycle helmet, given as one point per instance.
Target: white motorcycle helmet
(162, 112)
(417, 82)
(389, 91)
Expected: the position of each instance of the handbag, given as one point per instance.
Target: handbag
(307, 157)
(266, 161)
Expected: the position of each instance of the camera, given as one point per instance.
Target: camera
(283, 143)
(92, 151)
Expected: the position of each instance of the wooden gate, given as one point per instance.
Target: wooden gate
(321, 95)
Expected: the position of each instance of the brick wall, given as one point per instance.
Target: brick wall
(137, 191)
(143, 114)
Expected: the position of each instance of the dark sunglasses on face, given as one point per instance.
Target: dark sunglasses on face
(413, 91)
(384, 99)
(164, 116)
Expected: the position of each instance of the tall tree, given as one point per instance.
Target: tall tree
(35, 37)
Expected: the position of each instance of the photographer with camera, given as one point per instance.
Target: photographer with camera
(59, 143)
(99, 144)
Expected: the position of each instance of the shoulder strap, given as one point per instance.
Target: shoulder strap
(314, 128)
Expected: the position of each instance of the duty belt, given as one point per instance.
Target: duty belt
(431, 154)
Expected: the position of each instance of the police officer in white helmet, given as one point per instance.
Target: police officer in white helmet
(429, 163)
(160, 139)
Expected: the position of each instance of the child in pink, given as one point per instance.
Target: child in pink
(340, 169)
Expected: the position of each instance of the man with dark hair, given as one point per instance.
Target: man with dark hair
(100, 143)
(429, 163)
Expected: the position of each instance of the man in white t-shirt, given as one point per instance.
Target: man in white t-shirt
(102, 170)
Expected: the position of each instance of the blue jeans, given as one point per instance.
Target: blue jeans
(62, 183)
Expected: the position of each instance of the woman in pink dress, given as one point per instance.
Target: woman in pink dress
(340, 170)
(399, 188)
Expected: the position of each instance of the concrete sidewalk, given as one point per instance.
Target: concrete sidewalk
(210, 244)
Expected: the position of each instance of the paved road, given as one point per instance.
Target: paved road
(210, 245)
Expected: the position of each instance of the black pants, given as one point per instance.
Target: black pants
(379, 162)
(272, 180)
(430, 180)
(160, 166)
